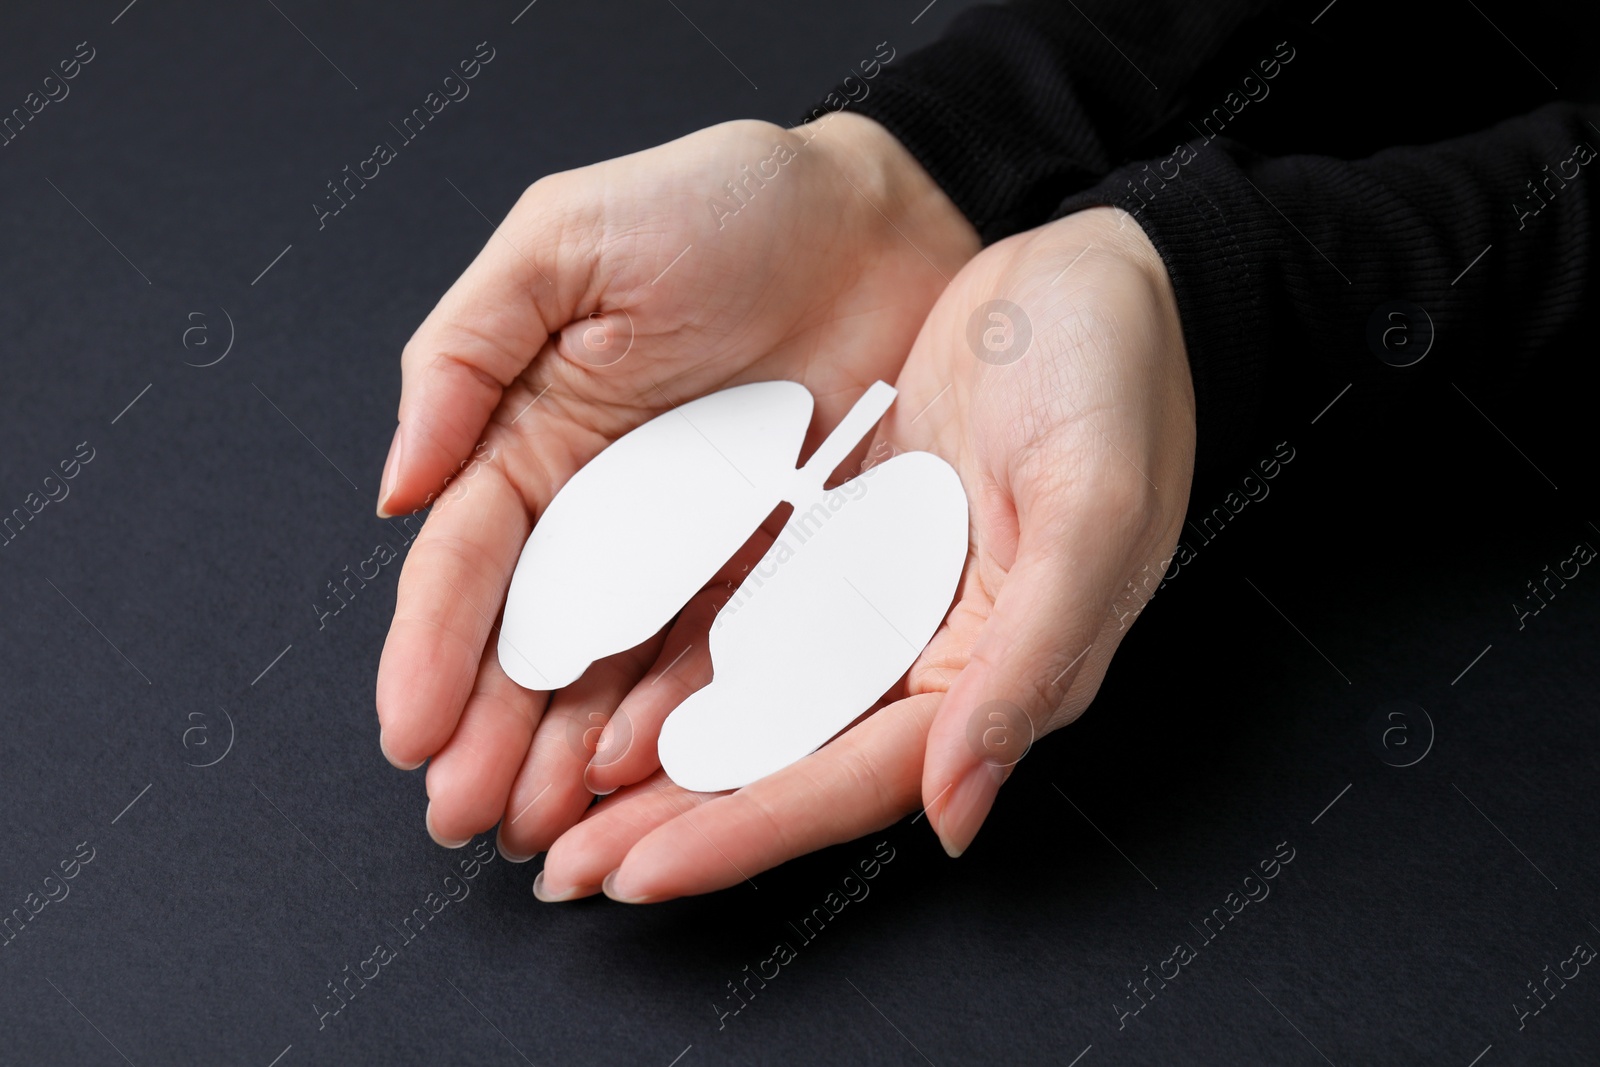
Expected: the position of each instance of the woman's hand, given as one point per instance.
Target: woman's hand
(608, 295)
(1052, 375)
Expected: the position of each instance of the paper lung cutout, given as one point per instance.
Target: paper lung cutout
(836, 611)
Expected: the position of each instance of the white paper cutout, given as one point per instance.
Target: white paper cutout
(839, 607)
(644, 525)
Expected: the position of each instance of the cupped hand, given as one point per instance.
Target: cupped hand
(608, 295)
(1052, 375)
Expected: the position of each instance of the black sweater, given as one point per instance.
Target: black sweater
(1335, 188)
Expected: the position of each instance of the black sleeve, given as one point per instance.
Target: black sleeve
(1284, 264)
(1017, 106)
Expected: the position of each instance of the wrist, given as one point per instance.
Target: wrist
(1118, 231)
(1119, 234)
(892, 186)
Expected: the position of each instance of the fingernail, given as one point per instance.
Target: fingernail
(391, 474)
(968, 805)
(620, 895)
(428, 820)
(588, 782)
(509, 856)
(615, 740)
(402, 766)
(556, 897)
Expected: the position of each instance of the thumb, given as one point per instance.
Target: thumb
(1040, 635)
(481, 336)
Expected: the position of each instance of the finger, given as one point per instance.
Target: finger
(626, 750)
(469, 779)
(1039, 636)
(548, 795)
(862, 781)
(481, 335)
(581, 858)
(449, 593)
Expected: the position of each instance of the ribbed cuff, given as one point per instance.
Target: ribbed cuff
(1003, 141)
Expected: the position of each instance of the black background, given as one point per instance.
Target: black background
(192, 548)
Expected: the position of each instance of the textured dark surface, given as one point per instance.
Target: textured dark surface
(191, 548)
